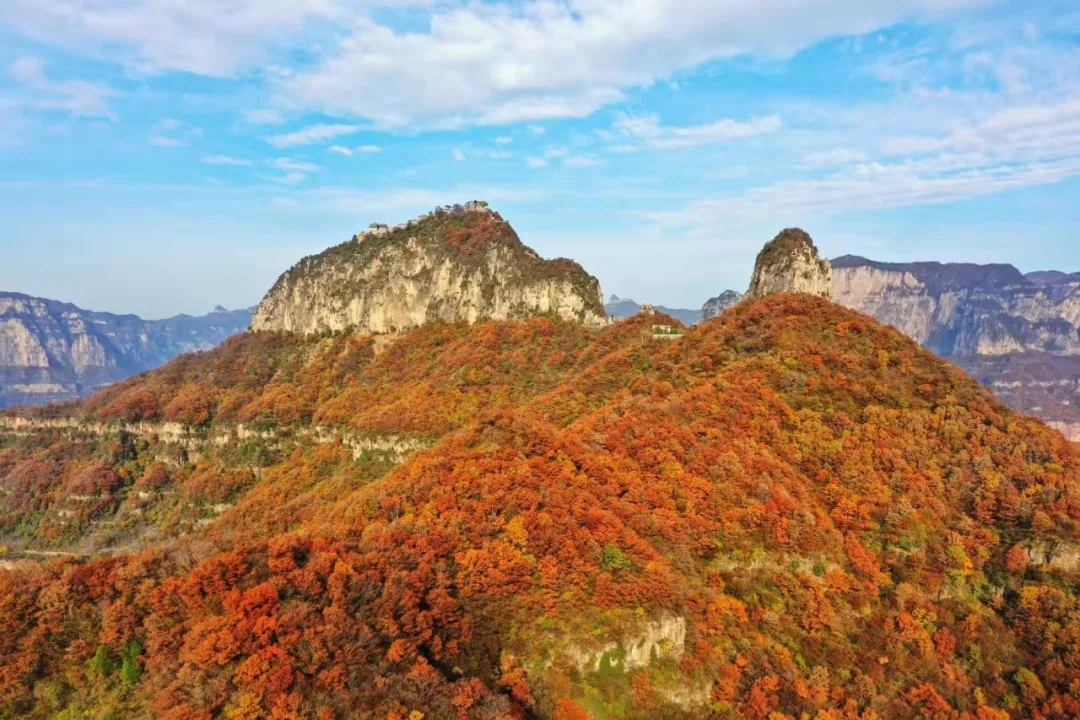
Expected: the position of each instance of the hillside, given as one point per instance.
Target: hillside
(790, 510)
(1020, 334)
(52, 351)
(457, 263)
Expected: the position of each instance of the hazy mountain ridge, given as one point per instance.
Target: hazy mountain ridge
(963, 309)
(52, 350)
(622, 308)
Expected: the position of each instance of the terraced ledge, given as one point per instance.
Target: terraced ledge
(396, 447)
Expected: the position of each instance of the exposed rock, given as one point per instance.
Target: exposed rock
(665, 637)
(464, 264)
(717, 305)
(392, 447)
(53, 351)
(789, 263)
(959, 310)
(1017, 334)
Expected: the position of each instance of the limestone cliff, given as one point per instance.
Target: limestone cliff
(1018, 334)
(789, 263)
(457, 264)
(717, 305)
(960, 310)
(53, 351)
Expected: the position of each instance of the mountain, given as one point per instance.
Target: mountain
(1019, 334)
(460, 263)
(960, 310)
(720, 303)
(622, 308)
(790, 510)
(52, 351)
(790, 263)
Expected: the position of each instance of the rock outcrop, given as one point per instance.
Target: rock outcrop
(959, 309)
(790, 263)
(717, 305)
(457, 264)
(1018, 334)
(52, 351)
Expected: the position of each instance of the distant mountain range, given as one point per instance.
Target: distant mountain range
(620, 308)
(51, 350)
(1017, 334)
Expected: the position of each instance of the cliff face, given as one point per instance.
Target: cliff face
(720, 303)
(52, 351)
(464, 264)
(959, 310)
(790, 264)
(1019, 334)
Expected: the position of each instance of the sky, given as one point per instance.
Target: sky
(167, 156)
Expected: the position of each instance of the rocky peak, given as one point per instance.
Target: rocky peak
(459, 263)
(790, 263)
(717, 305)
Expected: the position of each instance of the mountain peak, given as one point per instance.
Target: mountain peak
(789, 263)
(456, 263)
(717, 305)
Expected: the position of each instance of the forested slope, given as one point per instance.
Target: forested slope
(790, 511)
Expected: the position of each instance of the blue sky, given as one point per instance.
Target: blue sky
(164, 156)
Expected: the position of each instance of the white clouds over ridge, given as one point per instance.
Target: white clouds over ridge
(487, 63)
(495, 64)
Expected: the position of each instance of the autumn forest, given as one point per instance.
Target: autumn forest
(788, 511)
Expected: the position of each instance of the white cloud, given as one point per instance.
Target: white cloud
(226, 160)
(312, 135)
(263, 117)
(501, 63)
(162, 141)
(463, 63)
(37, 92)
(292, 178)
(500, 154)
(581, 161)
(503, 140)
(206, 37)
(537, 129)
(647, 129)
(1030, 132)
(369, 149)
(289, 164)
(1016, 147)
(458, 155)
(535, 162)
(835, 157)
(340, 150)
